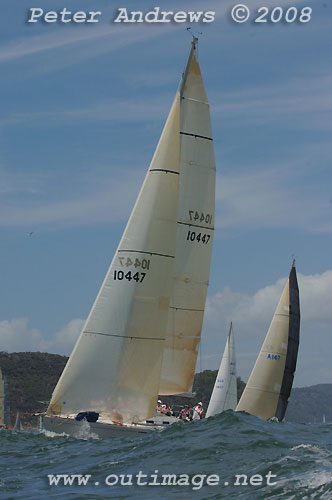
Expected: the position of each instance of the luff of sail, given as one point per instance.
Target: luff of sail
(224, 394)
(268, 389)
(115, 366)
(195, 226)
(2, 399)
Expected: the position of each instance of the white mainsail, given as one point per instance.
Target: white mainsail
(195, 226)
(224, 394)
(2, 399)
(267, 391)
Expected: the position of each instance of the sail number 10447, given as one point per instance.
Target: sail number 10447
(200, 237)
(121, 275)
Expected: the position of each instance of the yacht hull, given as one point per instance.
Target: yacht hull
(84, 429)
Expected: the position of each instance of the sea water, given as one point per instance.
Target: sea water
(224, 457)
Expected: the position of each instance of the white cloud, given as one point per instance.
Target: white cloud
(17, 336)
(252, 314)
(64, 340)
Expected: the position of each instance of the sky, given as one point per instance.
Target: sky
(82, 108)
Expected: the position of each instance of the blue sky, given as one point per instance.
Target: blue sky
(82, 110)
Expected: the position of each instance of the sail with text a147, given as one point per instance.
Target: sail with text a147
(115, 366)
(195, 226)
(224, 394)
(269, 386)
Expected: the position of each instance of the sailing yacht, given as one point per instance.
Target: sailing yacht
(142, 334)
(18, 427)
(224, 394)
(270, 383)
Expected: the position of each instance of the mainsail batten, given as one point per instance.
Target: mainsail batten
(194, 234)
(270, 382)
(224, 394)
(115, 366)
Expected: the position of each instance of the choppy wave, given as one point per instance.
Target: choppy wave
(216, 458)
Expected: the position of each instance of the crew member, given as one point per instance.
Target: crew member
(161, 408)
(185, 414)
(198, 411)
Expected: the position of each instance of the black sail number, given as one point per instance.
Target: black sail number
(129, 276)
(199, 237)
(200, 217)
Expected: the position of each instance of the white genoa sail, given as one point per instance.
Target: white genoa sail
(268, 389)
(115, 366)
(224, 394)
(2, 399)
(195, 226)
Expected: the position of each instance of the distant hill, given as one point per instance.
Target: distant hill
(32, 376)
(309, 404)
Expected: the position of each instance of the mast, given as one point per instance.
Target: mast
(195, 227)
(267, 391)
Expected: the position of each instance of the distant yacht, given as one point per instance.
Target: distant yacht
(269, 386)
(18, 424)
(224, 394)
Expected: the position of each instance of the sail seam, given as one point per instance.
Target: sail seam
(196, 135)
(149, 253)
(186, 309)
(164, 170)
(124, 336)
(195, 100)
(195, 225)
(262, 390)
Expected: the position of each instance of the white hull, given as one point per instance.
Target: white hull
(84, 429)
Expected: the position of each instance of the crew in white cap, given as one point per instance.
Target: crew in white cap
(161, 408)
(198, 411)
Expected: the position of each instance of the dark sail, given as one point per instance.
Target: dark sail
(293, 344)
